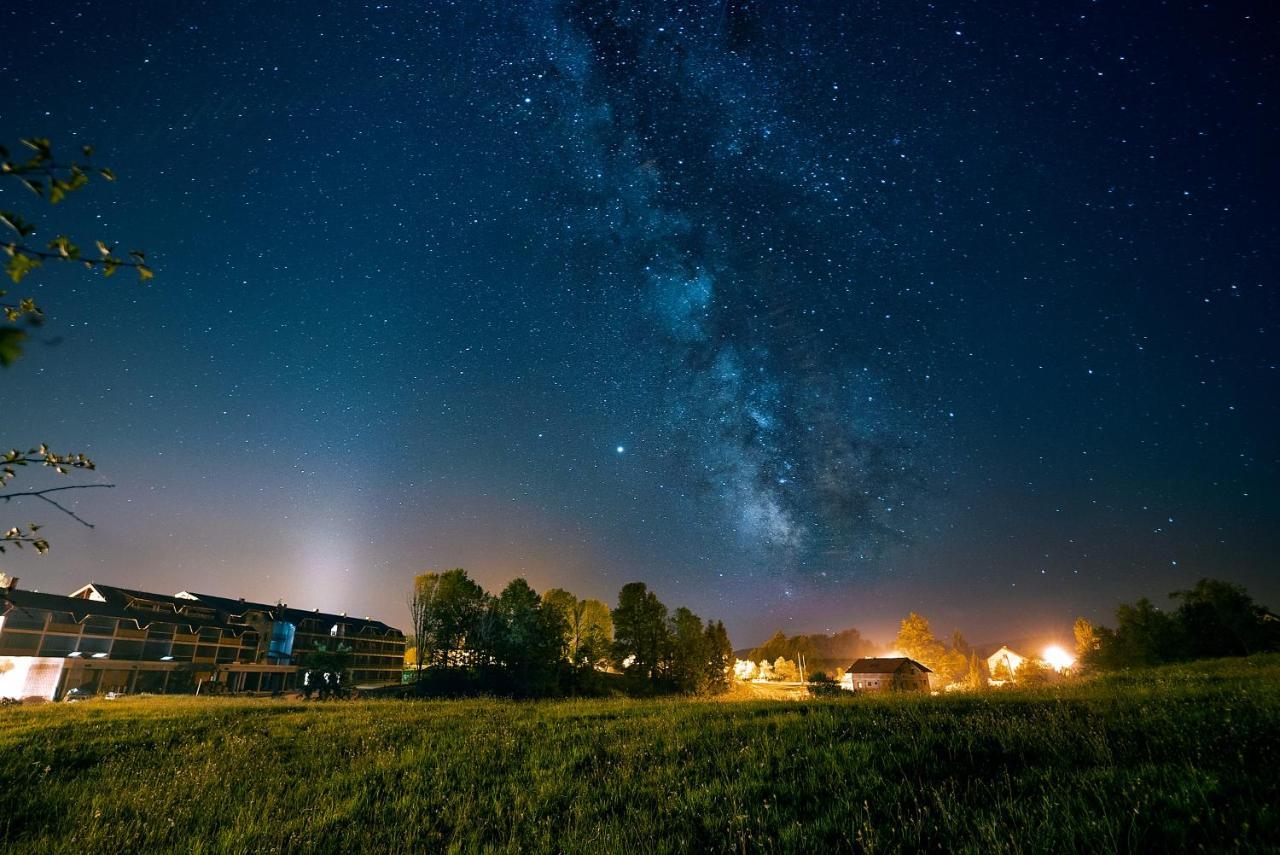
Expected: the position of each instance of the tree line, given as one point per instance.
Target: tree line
(520, 643)
(1212, 619)
(829, 654)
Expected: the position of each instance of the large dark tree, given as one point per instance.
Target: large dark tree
(1221, 619)
(1144, 635)
(446, 609)
(588, 627)
(719, 653)
(640, 637)
(525, 639)
(689, 653)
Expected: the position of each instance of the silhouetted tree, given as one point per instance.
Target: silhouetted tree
(1144, 635)
(719, 658)
(640, 637)
(451, 607)
(827, 652)
(588, 627)
(689, 653)
(1221, 619)
(526, 640)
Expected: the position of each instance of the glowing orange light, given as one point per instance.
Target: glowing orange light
(1058, 658)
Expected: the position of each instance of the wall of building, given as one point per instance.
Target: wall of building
(100, 653)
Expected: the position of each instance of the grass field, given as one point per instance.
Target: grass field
(1167, 760)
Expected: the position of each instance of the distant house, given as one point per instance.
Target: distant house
(1004, 661)
(895, 674)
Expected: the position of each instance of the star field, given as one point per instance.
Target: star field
(806, 314)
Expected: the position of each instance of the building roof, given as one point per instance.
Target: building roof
(885, 665)
(1006, 651)
(115, 606)
(281, 611)
(187, 609)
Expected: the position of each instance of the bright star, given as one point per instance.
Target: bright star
(620, 449)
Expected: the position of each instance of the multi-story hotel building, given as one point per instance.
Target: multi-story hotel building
(107, 639)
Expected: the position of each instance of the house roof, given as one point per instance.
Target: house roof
(885, 665)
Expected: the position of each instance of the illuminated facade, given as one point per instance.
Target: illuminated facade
(107, 639)
(1004, 662)
(886, 674)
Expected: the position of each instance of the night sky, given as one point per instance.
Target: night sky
(805, 314)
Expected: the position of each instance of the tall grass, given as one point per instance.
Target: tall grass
(1165, 760)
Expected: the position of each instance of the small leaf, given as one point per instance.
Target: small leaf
(19, 266)
(41, 146)
(13, 221)
(10, 344)
(107, 174)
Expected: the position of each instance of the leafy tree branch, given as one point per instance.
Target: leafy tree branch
(51, 180)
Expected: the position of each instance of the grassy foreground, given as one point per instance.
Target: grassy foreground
(1173, 759)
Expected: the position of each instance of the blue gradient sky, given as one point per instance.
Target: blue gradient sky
(956, 309)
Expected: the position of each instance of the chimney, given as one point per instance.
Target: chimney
(7, 582)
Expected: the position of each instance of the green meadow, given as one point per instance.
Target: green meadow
(1166, 760)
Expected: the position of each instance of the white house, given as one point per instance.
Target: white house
(1004, 656)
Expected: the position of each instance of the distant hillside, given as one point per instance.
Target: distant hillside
(830, 653)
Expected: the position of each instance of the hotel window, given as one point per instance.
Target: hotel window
(19, 643)
(98, 625)
(21, 618)
(90, 645)
(58, 645)
(127, 648)
(155, 649)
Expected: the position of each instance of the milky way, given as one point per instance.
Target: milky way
(711, 211)
(797, 311)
